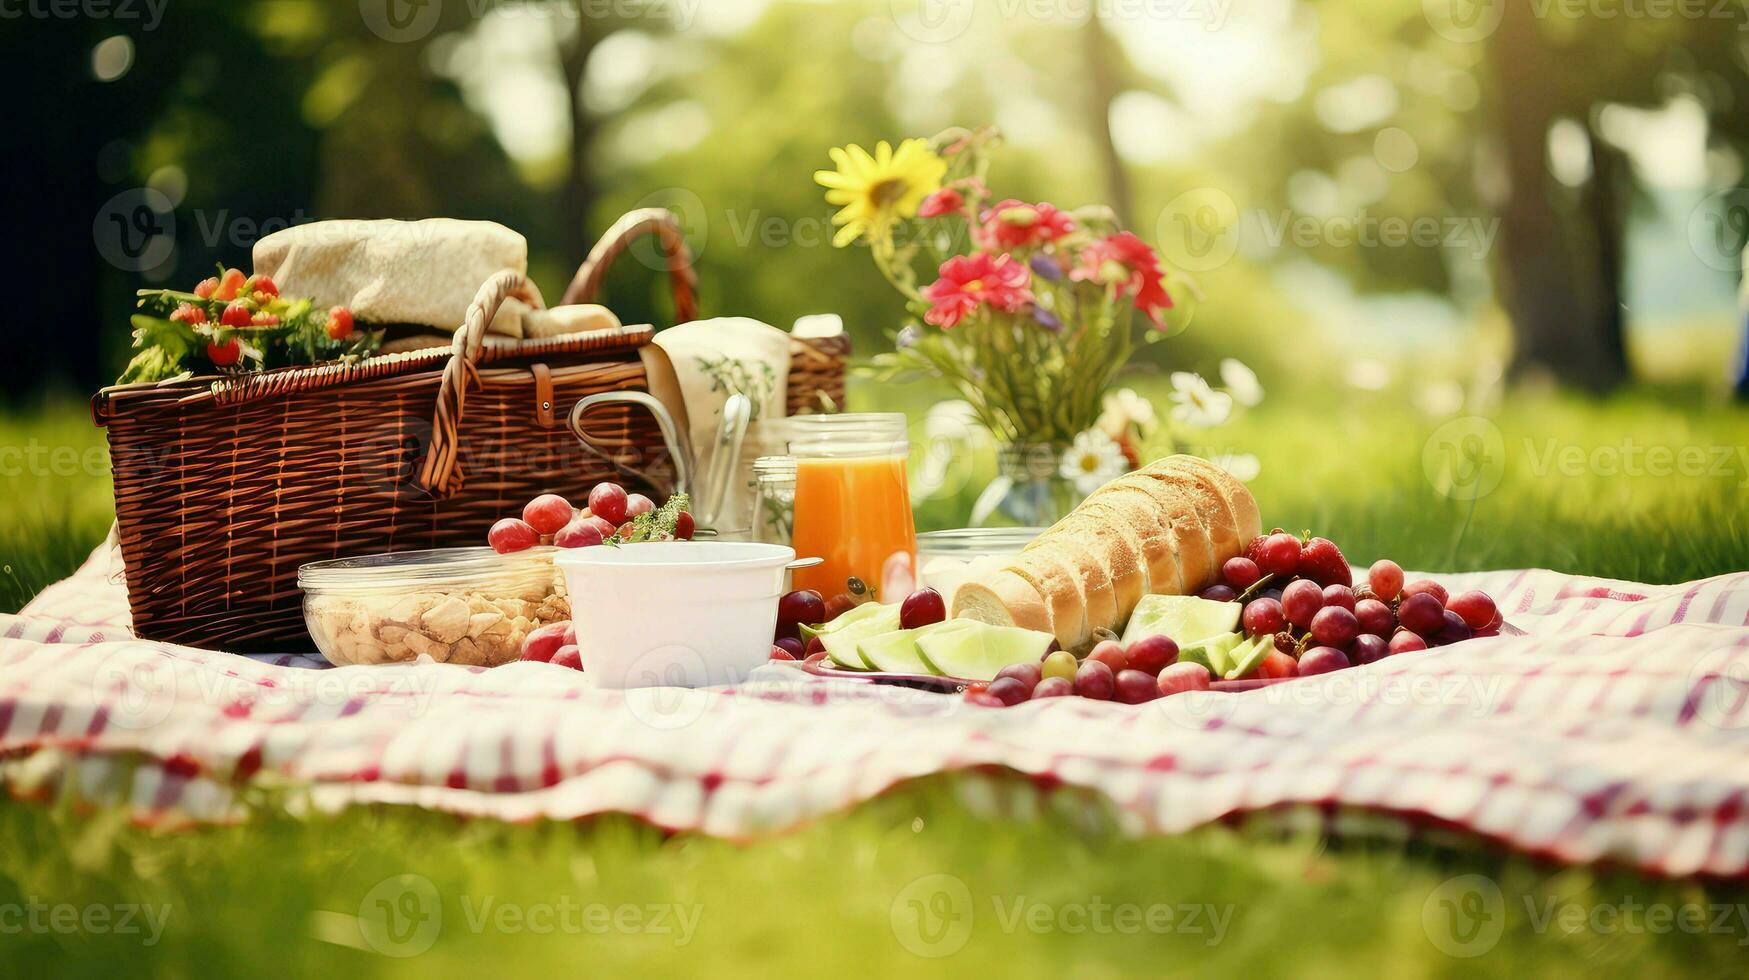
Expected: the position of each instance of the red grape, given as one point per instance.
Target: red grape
(637, 504)
(1053, 687)
(1009, 690)
(1278, 664)
(1406, 641)
(1475, 608)
(1385, 578)
(1179, 678)
(1339, 595)
(684, 527)
(1263, 617)
(1428, 586)
(1111, 654)
(1279, 555)
(541, 643)
(1375, 617)
(1151, 654)
(1219, 593)
(1028, 674)
(1301, 601)
(780, 652)
(1241, 573)
(791, 646)
(1335, 626)
(578, 534)
(510, 534)
(1136, 687)
(1422, 613)
(984, 699)
(1454, 631)
(1095, 680)
(568, 656)
(922, 608)
(803, 606)
(1368, 648)
(548, 513)
(1322, 660)
(815, 645)
(608, 502)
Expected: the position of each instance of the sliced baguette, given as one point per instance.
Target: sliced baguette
(1140, 513)
(1060, 589)
(1194, 475)
(1002, 598)
(1246, 517)
(1181, 511)
(1120, 554)
(1091, 582)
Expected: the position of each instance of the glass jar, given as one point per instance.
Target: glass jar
(774, 499)
(1029, 490)
(853, 505)
(454, 605)
(947, 558)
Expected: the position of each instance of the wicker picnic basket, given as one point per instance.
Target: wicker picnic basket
(224, 486)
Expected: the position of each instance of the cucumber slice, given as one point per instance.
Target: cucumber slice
(1186, 619)
(842, 640)
(897, 653)
(1248, 656)
(1215, 653)
(978, 650)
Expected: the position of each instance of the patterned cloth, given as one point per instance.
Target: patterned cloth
(1618, 729)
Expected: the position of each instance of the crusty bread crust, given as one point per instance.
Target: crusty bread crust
(1247, 520)
(1119, 551)
(1002, 599)
(1061, 591)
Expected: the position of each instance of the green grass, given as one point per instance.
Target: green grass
(281, 896)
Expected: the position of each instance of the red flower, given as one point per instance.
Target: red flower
(1017, 224)
(970, 281)
(944, 201)
(1125, 261)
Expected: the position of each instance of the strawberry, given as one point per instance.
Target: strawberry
(207, 287)
(261, 284)
(264, 319)
(230, 284)
(1322, 562)
(225, 354)
(189, 313)
(237, 314)
(339, 323)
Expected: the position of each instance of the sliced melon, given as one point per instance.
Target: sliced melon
(1248, 656)
(978, 650)
(1214, 652)
(841, 641)
(1186, 619)
(854, 614)
(897, 653)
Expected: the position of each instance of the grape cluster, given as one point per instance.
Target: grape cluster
(1149, 668)
(550, 519)
(1322, 622)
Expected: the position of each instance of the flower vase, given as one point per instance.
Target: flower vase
(1029, 489)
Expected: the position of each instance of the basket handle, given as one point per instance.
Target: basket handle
(441, 473)
(631, 226)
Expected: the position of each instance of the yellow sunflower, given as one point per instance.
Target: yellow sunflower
(873, 190)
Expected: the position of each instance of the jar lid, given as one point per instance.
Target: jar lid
(436, 568)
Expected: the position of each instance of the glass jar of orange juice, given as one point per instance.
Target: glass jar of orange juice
(853, 505)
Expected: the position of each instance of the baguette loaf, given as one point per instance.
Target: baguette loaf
(1164, 529)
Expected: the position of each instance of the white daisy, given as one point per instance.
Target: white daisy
(1196, 404)
(1241, 382)
(1243, 466)
(1093, 461)
(1124, 408)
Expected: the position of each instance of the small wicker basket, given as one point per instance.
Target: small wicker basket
(225, 486)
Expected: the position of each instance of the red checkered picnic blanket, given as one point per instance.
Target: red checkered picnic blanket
(1617, 730)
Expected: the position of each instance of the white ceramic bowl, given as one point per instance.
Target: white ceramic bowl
(674, 613)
